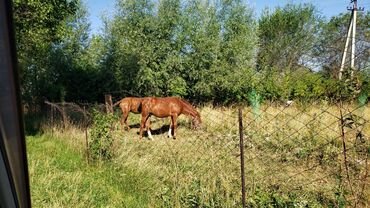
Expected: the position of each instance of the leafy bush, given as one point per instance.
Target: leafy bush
(101, 139)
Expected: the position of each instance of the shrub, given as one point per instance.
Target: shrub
(101, 139)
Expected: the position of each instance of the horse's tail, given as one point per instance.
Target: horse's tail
(117, 103)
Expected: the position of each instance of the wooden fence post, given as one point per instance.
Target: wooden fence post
(86, 137)
(64, 116)
(241, 145)
(108, 103)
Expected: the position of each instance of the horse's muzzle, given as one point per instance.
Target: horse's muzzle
(196, 127)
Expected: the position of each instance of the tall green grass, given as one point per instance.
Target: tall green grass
(60, 177)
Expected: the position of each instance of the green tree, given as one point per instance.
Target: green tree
(130, 34)
(188, 49)
(238, 51)
(201, 50)
(69, 67)
(287, 36)
(41, 27)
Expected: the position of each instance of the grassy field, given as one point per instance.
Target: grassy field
(60, 177)
(294, 158)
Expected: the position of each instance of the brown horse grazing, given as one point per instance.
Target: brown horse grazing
(127, 105)
(165, 107)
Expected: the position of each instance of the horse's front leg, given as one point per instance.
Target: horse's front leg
(148, 128)
(174, 125)
(169, 135)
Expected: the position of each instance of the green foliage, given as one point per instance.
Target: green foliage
(40, 22)
(101, 139)
(201, 50)
(187, 49)
(305, 86)
(287, 35)
(363, 80)
(33, 123)
(274, 198)
(39, 25)
(177, 87)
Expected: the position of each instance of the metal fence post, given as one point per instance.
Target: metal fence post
(241, 144)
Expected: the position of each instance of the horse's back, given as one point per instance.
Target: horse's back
(133, 104)
(161, 106)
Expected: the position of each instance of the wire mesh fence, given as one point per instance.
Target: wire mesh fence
(294, 155)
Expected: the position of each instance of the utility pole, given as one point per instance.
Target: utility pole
(351, 28)
(354, 12)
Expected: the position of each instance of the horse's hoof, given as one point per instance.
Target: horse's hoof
(174, 138)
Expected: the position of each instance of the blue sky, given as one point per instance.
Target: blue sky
(328, 8)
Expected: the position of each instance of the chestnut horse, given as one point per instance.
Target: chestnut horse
(127, 105)
(165, 107)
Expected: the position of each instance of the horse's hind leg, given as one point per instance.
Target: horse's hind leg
(148, 128)
(124, 121)
(144, 118)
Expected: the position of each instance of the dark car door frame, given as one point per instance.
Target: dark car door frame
(14, 179)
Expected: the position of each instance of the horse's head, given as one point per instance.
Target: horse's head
(196, 122)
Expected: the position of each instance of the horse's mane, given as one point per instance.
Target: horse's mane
(193, 112)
